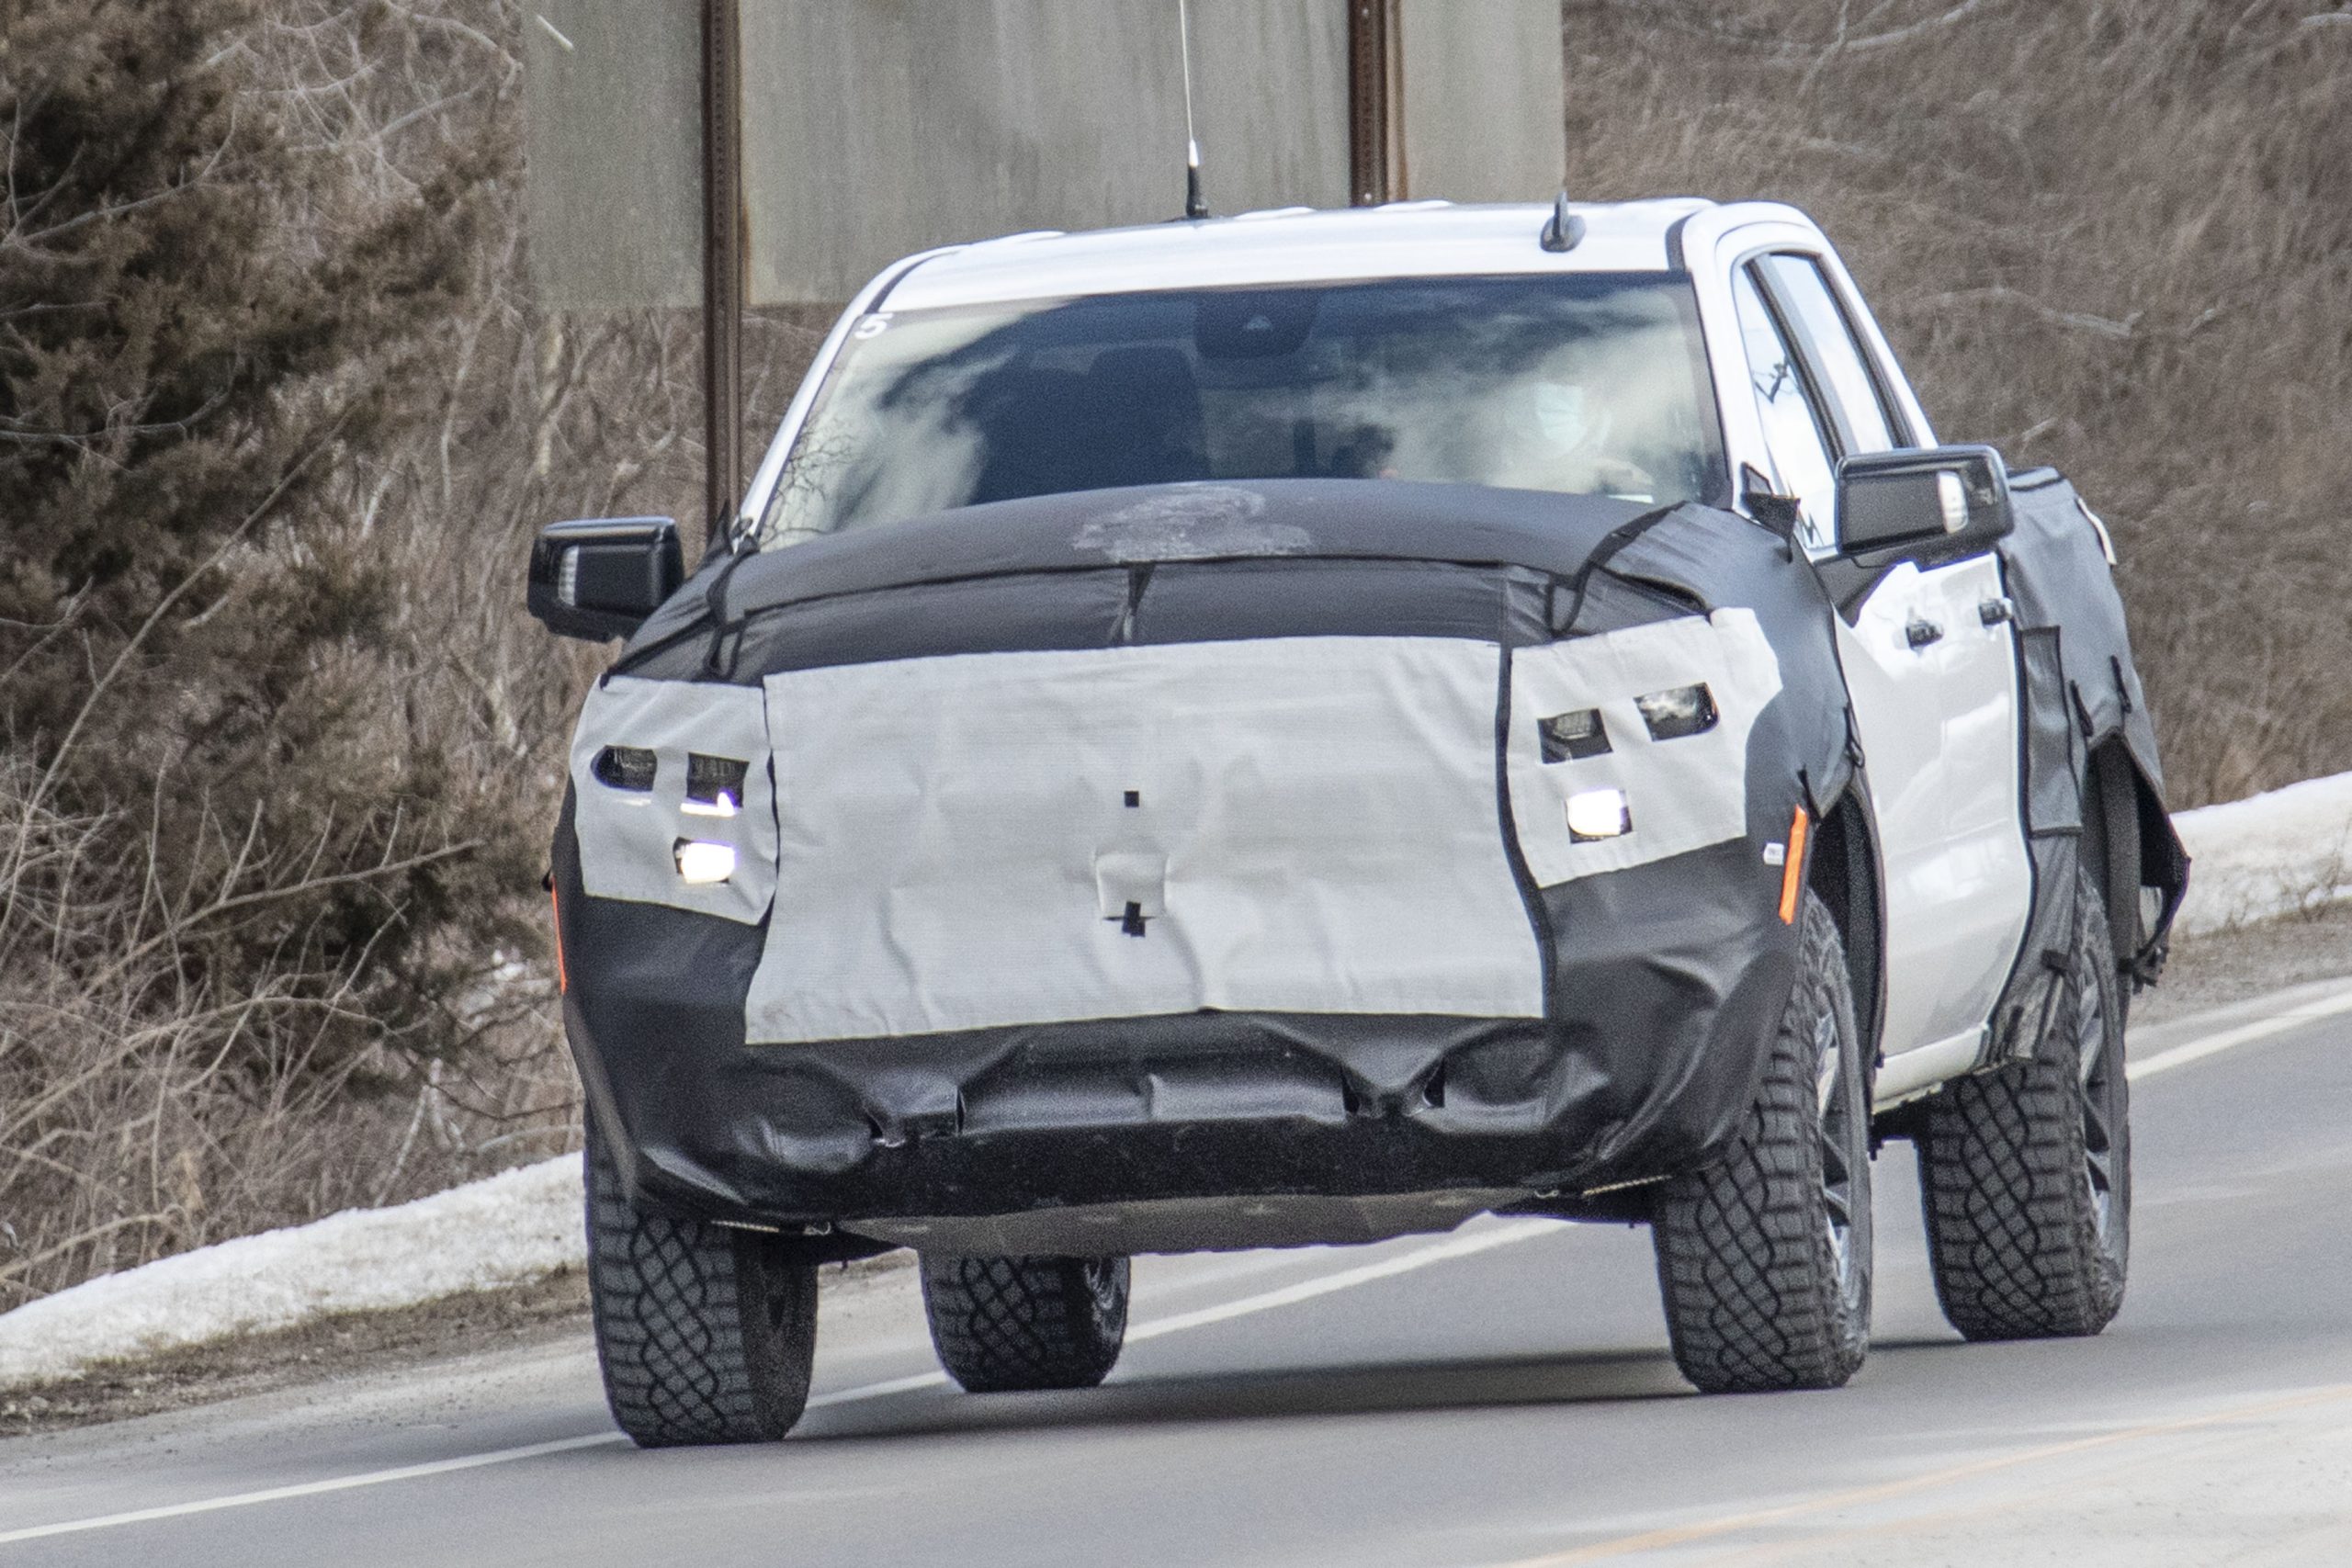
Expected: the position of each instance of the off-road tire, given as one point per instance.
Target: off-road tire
(2026, 1172)
(1760, 1294)
(1006, 1324)
(705, 1333)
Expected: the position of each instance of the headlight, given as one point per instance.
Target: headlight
(630, 769)
(714, 785)
(1595, 814)
(702, 863)
(1569, 735)
(1685, 710)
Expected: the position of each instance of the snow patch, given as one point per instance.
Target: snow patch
(509, 1229)
(2269, 854)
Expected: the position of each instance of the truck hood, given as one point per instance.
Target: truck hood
(1145, 525)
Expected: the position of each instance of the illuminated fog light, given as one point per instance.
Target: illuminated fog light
(702, 863)
(1569, 735)
(714, 785)
(1685, 710)
(1596, 813)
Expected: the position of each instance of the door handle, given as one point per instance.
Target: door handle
(1919, 634)
(1993, 612)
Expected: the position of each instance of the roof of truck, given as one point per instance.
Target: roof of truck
(1413, 239)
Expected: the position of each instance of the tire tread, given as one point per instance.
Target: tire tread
(2011, 1238)
(703, 1333)
(1751, 1297)
(1007, 1324)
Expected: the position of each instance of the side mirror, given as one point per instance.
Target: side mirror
(601, 579)
(1936, 500)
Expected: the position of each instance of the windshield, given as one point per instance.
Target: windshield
(1588, 384)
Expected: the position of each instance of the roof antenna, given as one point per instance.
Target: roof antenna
(1195, 205)
(1565, 231)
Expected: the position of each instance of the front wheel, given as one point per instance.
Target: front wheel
(1007, 1324)
(705, 1333)
(2026, 1172)
(1764, 1258)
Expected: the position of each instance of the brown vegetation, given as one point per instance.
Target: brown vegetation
(279, 751)
(2114, 235)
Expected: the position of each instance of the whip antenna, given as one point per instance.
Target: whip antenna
(1195, 204)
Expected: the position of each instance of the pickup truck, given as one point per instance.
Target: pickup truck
(1315, 726)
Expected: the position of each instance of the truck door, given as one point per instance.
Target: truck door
(1931, 670)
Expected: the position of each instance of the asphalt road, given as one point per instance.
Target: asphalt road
(1499, 1397)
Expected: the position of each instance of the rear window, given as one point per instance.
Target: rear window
(1587, 384)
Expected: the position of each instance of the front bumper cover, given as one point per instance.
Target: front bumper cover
(1666, 984)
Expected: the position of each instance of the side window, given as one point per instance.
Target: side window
(1800, 450)
(1865, 424)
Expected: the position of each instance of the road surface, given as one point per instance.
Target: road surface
(1499, 1397)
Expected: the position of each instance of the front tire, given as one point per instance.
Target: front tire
(1764, 1258)
(2026, 1173)
(704, 1334)
(1002, 1324)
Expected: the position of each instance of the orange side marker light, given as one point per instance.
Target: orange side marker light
(1792, 868)
(563, 982)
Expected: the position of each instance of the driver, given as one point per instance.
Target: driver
(1556, 435)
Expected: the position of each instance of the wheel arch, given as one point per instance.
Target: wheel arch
(2128, 844)
(1843, 870)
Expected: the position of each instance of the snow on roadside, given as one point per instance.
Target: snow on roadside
(2255, 858)
(2269, 854)
(509, 1229)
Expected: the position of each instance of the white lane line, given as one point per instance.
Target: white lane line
(1444, 1251)
(2244, 1034)
(311, 1488)
(1265, 1301)
(877, 1389)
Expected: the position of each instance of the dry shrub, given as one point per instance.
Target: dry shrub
(146, 1108)
(2115, 236)
(272, 939)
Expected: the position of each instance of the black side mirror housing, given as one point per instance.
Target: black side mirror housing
(601, 578)
(1929, 502)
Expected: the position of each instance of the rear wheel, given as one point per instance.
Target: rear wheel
(1764, 1258)
(705, 1333)
(2026, 1172)
(1007, 1324)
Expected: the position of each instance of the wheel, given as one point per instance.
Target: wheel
(705, 1333)
(1008, 1323)
(2026, 1173)
(1764, 1258)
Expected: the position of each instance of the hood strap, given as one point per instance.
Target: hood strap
(1615, 540)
